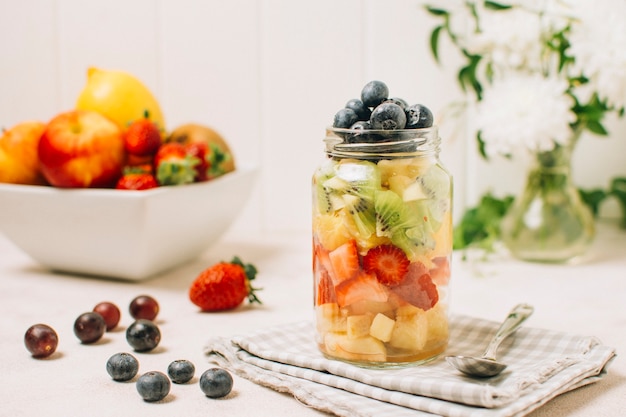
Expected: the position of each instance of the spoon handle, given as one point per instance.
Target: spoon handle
(516, 317)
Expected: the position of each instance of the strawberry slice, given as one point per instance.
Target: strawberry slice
(418, 290)
(345, 262)
(363, 287)
(325, 290)
(388, 262)
(441, 272)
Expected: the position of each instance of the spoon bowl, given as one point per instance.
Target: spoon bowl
(487, 365)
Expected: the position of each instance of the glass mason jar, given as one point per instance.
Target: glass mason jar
(382, 243)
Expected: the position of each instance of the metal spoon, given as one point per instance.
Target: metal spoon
(486, 365)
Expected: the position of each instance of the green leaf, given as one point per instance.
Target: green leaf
(480, 225)
(496, 6)
(597, 128)
(481, 146)
(618, 190)
(437, 12)
(593, 199)
(434, 42)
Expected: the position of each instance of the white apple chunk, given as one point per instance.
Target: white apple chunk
(358, 325)
(362, 349)
(330, 318)
(382, 327)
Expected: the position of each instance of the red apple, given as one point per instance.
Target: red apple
(19, 163)
(81, 148)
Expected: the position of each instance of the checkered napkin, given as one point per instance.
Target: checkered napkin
(542, 365)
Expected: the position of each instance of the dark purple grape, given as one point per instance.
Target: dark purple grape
(41, 340)
(89, 327)
(122, 366)
(144, 307)
(153, 386)
(181, 371)
(143, 335)
(216, 383)
(109, 312)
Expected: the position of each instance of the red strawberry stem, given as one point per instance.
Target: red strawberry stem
(250, 271)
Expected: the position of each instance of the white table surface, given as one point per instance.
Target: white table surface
(587, 299)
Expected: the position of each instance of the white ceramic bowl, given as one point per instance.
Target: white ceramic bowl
(129, 235)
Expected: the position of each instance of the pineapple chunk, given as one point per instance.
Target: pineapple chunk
(358, 325)
(330, 318)
(410, 331)
(382, 327)
(408, 311)
(331, 230)
(364, 348)
(407, 188)
(437, 322)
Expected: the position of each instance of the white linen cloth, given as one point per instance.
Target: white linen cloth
(542, 364)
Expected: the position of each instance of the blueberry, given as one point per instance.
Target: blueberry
(345, 118)
(418, 116)
(388, 116)
(153, 386)
(216, 383)
(396, 100)
(143, 335)
(361, 133)
(181, 371)
(122, 366)
(374, 93)
(362, 111)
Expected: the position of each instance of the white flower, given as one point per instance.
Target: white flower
(510, 38)
(524, 110)
(598, 45)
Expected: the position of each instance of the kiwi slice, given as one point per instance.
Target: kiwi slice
(407, 226)
(353, 188)
(437, 185)
(326, 201)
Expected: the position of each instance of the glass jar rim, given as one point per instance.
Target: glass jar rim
(397, 143)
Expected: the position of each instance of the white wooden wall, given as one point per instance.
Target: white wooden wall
(268, 74)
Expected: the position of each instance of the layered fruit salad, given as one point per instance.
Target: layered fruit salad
(382, 240)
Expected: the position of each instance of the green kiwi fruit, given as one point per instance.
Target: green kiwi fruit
(352, 187)
(437, 185)
(407, 225)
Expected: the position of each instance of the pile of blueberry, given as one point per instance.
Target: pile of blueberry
(376, 111)
(142, 335)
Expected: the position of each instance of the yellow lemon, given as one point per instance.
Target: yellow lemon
(119, 96)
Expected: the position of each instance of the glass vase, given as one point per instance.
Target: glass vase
(548, 221)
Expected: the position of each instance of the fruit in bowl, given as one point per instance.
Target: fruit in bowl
(19, 163)
(128, 235)
(81, 148)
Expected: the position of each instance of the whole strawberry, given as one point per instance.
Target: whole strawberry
(224, 286)
(173, 165)
(136, 181)
(142, 138)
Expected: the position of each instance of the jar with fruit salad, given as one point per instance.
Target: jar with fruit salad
(382, 234)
